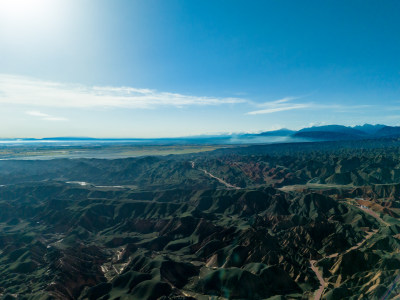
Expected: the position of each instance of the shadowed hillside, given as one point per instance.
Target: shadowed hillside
(233, 224)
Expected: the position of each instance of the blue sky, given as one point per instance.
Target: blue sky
(126, 68)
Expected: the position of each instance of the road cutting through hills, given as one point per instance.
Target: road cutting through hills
(220, 180)
(318, 293)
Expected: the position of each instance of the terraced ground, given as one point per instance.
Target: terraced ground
(220, 225)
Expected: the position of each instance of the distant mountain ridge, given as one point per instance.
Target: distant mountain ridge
(370, 129)
(314, 133)
(330, 132)
(340, 132)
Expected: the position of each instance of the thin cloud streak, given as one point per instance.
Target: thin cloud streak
(278, 102)
(285, 104)
(45, 117)
(278, 109)
(26, 91)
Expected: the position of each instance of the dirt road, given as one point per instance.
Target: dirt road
(318, 293)
(228, 185)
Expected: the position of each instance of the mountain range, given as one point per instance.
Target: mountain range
(315, 133)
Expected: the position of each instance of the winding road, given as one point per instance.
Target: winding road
(322, 283)
(318, 293)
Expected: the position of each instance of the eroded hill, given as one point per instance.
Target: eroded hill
(228, 225)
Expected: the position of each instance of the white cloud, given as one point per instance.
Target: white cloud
(278, 102)
(321, 123)
(32, 92)
(36, 113)
(277, 109)
(283, 104)
(286, 103)
(44, 116)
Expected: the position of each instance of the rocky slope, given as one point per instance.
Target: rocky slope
(162, 228)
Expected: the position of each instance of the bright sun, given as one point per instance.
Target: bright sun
(25, 19)
(26, 9)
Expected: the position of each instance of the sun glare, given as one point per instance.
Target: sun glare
(29, 15)
(26, 9)
(22, 21)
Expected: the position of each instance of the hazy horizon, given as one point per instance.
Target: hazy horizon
(204, 135)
